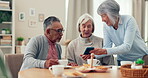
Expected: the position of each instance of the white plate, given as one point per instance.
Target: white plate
(110, 66)
(116, 67)
(66, 76)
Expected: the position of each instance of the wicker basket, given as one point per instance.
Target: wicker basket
(126, 71)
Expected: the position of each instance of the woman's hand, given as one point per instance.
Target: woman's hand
(99, 51)
(72, 64)
(85, 57)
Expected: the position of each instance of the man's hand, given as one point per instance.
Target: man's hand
(85, 57)
(51, 62)
(72, 64)
(99, 51)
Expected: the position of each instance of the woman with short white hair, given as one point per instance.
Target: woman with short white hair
(77, 47)
(121, 30)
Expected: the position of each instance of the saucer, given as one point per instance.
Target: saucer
(67, 67)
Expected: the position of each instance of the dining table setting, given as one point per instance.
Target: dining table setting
(89, 70)
(72, 72)
(92, 69)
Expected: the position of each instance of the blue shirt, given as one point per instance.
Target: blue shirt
(127, 40)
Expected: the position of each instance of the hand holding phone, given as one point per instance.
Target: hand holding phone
(88, 49)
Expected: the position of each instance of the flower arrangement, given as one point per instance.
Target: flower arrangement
(20, 41)
(139, 61)
(138, 64)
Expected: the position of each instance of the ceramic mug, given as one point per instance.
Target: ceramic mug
(95, 62)
(63, 62)
(57, 70)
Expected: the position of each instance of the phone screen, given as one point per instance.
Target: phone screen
(88, 49)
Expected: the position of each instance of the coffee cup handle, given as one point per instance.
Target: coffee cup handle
(50, 68)
(98, 62)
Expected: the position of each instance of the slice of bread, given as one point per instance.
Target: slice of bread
(77, 73)
(101, 67)
(72, 74)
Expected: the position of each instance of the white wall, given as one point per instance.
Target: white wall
(46, 7)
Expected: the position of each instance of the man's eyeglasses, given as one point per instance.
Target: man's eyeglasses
(58, 30)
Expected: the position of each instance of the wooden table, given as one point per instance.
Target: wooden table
(45, 73)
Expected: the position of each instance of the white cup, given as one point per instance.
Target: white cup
(95, 61)
(126, 62)
(63, 62)
(57, 70)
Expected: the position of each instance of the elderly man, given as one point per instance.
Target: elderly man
(42, 51)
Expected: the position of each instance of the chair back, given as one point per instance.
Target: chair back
(145, 58)
(14, 62)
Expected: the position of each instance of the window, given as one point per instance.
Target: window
(146, 23)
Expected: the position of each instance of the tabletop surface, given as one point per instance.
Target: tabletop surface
(45, 73)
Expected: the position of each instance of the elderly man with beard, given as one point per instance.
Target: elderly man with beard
(42, 51)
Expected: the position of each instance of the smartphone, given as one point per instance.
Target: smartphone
(88, 49)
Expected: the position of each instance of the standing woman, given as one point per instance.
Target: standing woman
(121, 30)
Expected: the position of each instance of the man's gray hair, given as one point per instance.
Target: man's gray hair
(83, 19)
(111, 8)
(48, 21)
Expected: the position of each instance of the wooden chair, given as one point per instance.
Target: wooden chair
(145, 58)
(14, 62)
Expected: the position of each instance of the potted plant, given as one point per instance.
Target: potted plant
(20, 40)
(139, 64)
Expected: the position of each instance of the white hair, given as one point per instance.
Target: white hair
(83, 19)
(111, 8)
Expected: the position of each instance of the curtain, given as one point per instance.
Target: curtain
(75, 9)
(146, 23)
(139, 14)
